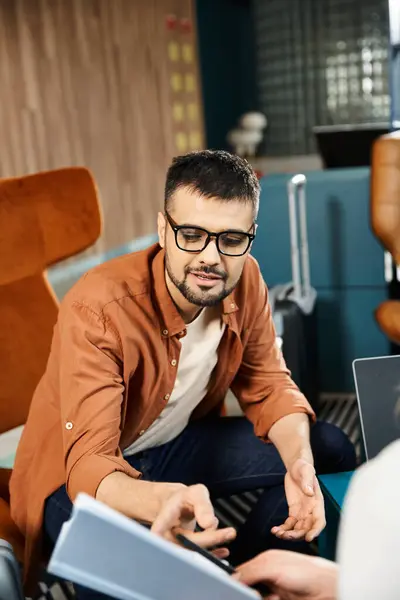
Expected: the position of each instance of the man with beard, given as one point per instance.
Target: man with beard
(143, 354)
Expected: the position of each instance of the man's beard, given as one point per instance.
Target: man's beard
(205, 298)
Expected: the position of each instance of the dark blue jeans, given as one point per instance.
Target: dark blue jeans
(225, 455)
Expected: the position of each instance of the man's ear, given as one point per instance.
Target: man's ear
(161, 225)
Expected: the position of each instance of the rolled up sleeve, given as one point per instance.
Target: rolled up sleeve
(91, 397)
(263, 384)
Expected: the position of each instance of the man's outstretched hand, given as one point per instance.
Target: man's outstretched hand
(185, 507)
(306, 517)
(292, 576)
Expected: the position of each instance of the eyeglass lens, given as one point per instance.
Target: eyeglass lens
(195, 240)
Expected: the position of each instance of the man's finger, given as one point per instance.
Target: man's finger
(319, 521)
(301, 524)
(316, 528)
(190, 503)
(288, 525)
(297, 533)
(173, 513)
(199, 498)
(312, 534)
(210, 538)
(221, 553)
(293, 535)
(308, 523)
(169, 516)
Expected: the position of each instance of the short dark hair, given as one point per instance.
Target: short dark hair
(214, 174)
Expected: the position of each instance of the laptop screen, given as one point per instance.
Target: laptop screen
(377, 383)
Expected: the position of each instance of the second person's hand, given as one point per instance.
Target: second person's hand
(292, 576)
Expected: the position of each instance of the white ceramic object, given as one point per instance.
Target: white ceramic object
(245, 138)
(254, 121)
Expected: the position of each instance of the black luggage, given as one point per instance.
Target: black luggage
(294, 304)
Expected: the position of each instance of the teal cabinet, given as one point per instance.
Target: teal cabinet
(343, 249)
(347, 330)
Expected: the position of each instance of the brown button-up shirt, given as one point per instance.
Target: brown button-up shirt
(112, 367)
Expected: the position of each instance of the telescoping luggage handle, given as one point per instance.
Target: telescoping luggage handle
(300, 269)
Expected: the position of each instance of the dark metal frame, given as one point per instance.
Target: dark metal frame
(177, 228)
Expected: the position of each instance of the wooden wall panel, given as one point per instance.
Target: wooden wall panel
(88, 82)
(185, 92)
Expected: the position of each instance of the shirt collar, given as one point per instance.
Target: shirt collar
(172, 322)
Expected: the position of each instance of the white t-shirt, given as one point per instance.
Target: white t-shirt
(369, 540)
(198, 357)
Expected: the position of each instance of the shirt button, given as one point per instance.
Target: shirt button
(173, 362)
(166, 397)
(233, 305)
(142, 432)
(68, 425)
(165, 332)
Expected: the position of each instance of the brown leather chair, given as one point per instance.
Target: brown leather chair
(44, 218)
(385, 218)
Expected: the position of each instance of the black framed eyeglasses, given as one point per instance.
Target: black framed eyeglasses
(195, 239)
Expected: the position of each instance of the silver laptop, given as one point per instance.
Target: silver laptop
(377, 382)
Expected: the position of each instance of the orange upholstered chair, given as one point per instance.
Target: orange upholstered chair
(385, 218)
(44, 218)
